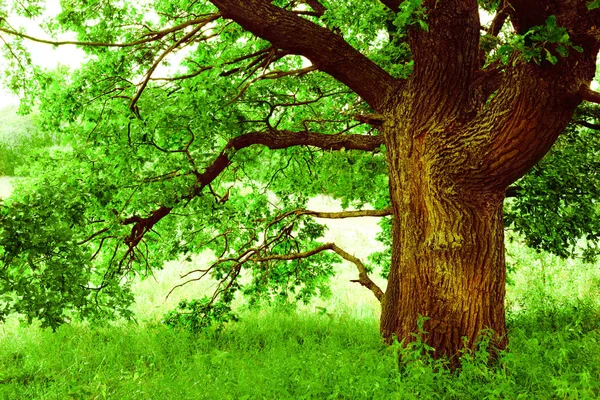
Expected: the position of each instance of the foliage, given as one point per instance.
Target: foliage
(540, 43)
(20, 142)
(556, 207)
(195, 315)
(412, 12)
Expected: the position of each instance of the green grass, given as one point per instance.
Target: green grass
(330, 349)
(278, 355)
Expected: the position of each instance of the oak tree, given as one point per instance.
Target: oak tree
(412, 110)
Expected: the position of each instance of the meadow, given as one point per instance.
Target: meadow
(329, 349)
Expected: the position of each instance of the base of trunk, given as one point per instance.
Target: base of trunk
(451, 270)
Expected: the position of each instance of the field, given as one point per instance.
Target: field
(329, 349)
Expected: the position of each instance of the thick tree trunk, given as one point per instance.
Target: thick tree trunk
(447, 265)
(448, 249)
(451, 156)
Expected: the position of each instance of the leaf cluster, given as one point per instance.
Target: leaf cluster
(538, 44)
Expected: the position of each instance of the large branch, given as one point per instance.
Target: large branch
(525, 14)
(272, 140)
(363, 277)
(446, 56)
(328, 51)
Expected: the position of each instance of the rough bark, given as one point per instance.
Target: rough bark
(447, 257)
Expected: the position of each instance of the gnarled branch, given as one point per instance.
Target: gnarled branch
(328, 51)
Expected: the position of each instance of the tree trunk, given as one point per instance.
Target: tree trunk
(448, 250)
(451, 155)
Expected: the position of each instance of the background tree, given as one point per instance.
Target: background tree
(411, 106)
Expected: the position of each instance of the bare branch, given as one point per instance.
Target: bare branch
(334, 215)
(346, 214)
(328, 51)
(363, 277)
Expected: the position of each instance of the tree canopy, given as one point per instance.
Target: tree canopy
(198, 124)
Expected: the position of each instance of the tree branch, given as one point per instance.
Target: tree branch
(328, 51)
(151, 37)
(499, 19)
(589, 125)
(273, 140)
(157, 62)
(444, 62)
(588, 94)
(317, 7)
(346, 214)
(363, 277)
(335, 215)
(374, 120)
(393, 5)
(525, 14)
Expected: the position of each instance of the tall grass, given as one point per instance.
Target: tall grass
(279, 355)
(554, 329)
(330, 349)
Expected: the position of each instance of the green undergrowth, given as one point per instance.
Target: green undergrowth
(328, 352)
(278, 355)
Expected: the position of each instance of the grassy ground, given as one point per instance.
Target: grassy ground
(328, 350)
(554, 352)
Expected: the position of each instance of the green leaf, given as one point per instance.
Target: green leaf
(591, 5)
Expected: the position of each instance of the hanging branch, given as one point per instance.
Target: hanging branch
(272, 139)
(363, 277)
